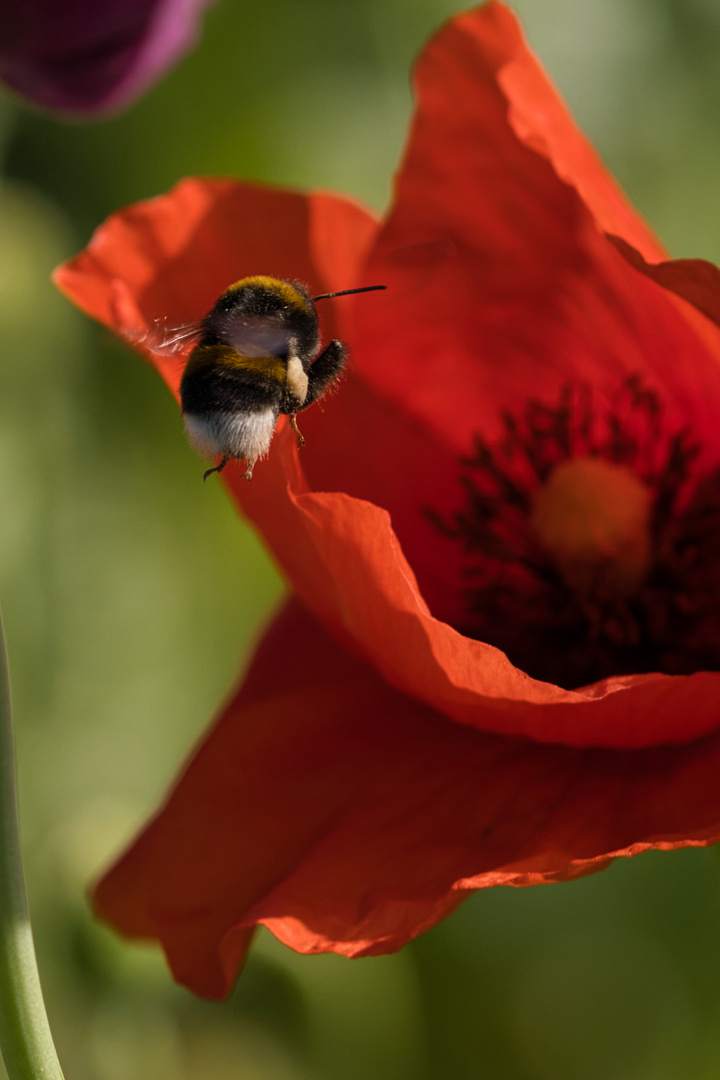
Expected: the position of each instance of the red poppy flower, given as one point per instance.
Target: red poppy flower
(501, 663)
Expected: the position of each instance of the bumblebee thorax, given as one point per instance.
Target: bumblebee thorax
(265, 316)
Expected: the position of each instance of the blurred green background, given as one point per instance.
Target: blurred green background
(132, 593)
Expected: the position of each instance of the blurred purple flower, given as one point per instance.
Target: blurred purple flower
(92, 56)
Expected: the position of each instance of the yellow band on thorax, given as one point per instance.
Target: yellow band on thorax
(285, 289)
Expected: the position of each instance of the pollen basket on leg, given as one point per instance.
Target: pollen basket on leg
(296, 381)
(588, 536)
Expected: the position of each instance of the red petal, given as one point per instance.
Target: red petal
(343, 559)
(501, 282)
(165, 261)
(695, 280)
(348, 818)
(168, 259)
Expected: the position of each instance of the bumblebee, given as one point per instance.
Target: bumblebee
(257, 356)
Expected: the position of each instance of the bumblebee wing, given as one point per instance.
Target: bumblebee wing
(170, 340)
(254, 335)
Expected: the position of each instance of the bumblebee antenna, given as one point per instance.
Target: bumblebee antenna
(346, 292)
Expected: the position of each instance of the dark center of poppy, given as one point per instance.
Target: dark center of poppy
(590, 541)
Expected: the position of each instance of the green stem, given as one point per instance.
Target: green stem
(25, 1038)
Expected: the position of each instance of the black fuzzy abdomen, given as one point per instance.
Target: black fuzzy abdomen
(218, 388)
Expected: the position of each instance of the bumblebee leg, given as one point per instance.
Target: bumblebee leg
(296, 429)
(216, 468)
(325, 370)
(250, 465)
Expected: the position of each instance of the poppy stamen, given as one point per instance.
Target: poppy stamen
(590, 540)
